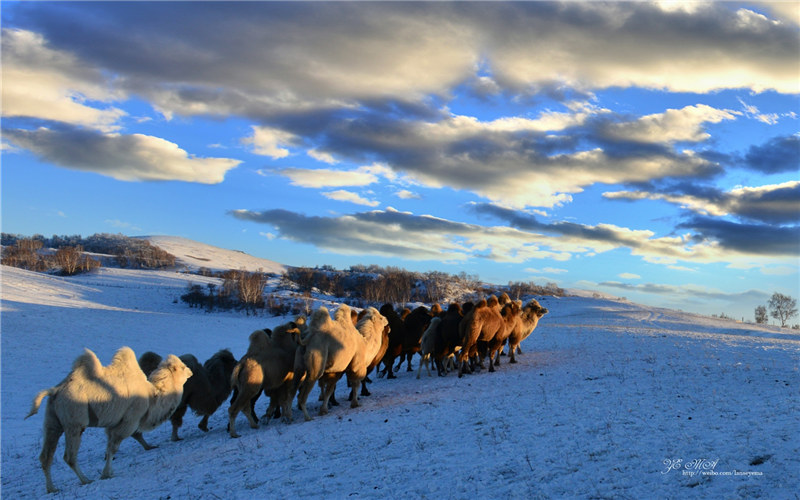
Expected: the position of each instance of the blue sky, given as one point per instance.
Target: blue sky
(647, 150)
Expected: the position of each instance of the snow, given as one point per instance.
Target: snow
(194, 255)
(606, 397)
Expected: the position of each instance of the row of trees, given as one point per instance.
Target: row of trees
(68, 260)
(781, 307)
(359, 285)
(376, 284)
(70, 257)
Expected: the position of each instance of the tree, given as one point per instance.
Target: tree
(782, 307)
(761, 315)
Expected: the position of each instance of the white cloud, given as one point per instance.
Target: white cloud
(272, 142)
(349, 196)
(629, 276)
(546, 270)
(752, 112)
(134, 157)
(779, 270)
(116, 223)
(322, 156)
(756, 202)
(673, 125)
(405, 194)
(44, 83)
(326, 178)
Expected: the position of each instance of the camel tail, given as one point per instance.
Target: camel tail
(37, 401)
(235, 375)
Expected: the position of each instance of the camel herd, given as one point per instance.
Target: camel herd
(130, 396)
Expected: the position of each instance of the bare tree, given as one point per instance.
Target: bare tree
(782, 307)
(761, 315)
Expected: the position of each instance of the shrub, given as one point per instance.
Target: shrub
(72, 260)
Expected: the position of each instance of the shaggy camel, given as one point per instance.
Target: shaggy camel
(510, 312)
(480, 324)
(204, 392)
(397, 331)
(428, 345)
(449, 340)
(334, 347)
(268, 366)
(118, 397)
(524, 326)
(377, 359)
(416, 322)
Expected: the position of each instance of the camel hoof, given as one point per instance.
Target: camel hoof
(176, 438)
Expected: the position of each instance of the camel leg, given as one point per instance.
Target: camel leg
(356, 384)
(400, 363)
(251, 419)
(203, 425)
(302, 396)
(72, 441)
(408, 358)
(241, 404)
(177, 420)
(232, 422)
(330, 387)
(115, 437)
(287, 395)
(52, 433)
(140, 438)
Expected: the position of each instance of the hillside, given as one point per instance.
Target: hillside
(606, 396)
(194, 255)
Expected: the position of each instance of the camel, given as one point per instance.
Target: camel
(428, 345)
(204, 392)
(416, 322)
(524, 326)
(397, 334)
(118, 397)
(510, 312)
(449, 340)
(480, 324)
(334, 347)
(377, 359)
(268, 365)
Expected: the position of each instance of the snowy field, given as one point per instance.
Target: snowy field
(609, 400)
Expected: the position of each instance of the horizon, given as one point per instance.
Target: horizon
(643, 150)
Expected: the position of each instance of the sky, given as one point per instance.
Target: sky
(645, 150)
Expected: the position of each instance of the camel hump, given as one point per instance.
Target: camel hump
(124, 357)
(343, 314)
(88, 363)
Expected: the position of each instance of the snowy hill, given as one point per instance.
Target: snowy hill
(195, 255)
(609, 400)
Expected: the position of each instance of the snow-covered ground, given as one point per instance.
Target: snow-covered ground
(610, 400)
(194, 255)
